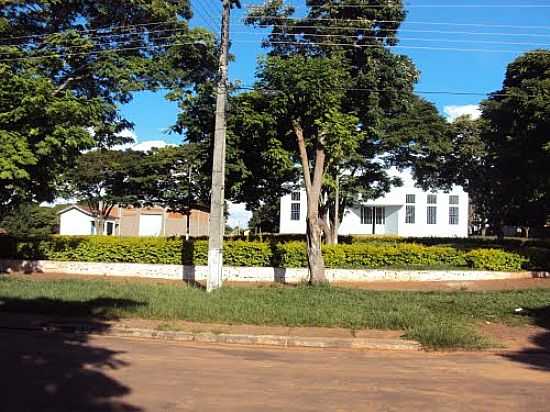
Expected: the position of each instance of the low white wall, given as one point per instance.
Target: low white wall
(252, 274)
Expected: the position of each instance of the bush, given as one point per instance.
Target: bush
(363, 255)
(367, 255)
(151, 250)
(494, 259)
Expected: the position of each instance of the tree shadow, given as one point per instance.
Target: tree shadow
(48, 366)
(538, 356)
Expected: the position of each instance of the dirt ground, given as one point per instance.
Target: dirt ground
(479, 285)
(49, 373)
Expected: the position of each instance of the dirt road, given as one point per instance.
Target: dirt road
(56, 373)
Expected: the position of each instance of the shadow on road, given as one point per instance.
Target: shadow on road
(537, 357)
(55, 371)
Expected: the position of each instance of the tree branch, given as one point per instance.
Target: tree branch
(303, 154)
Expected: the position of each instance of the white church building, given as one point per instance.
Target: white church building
(406, 211)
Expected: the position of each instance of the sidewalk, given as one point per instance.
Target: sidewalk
(310, 337)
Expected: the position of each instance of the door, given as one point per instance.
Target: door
(379, 220)
(150, 225)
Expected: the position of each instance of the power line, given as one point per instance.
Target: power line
(99, 30)
(415, 6)
(454, 49)
(370, 22)
(360, 37)
(356, 28)
(115, 49)
(107, 41)
(206, 16)
(427, 92)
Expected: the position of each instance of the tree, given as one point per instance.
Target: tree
(64, 69)
(102, 180)
(172, 177)
(307, 107)
(380, 85)
(30, 219)
(265, 218)
(517, 119)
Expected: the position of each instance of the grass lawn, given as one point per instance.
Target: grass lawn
(436, 319)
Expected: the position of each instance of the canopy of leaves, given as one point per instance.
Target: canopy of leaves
(171, 177)
(30, 219)
(518, 131)
(101, 180)
(64, 68)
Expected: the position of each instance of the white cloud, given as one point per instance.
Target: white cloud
(137, 145)
(147, 145)
(238, 215)
(453, 112)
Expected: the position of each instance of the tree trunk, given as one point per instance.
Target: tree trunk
(526, 230)
(336, 214)
(483, 230)
(100, 225)
(316, 263)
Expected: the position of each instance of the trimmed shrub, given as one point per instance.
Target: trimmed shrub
(151, 250)
(367, 255)
(364, 255)
(494, 259)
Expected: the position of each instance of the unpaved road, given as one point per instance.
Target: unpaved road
(54, 373)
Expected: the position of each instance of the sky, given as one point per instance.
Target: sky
(459, 46)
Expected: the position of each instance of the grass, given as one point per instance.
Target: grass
(436, 319)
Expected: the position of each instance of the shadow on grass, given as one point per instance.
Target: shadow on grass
(45, 371)
(539, 356)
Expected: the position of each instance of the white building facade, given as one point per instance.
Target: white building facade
(406, 211)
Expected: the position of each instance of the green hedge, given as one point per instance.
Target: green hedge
(362, 255)
(132, 250)
(366, 255)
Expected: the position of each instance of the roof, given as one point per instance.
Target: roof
(83, 209)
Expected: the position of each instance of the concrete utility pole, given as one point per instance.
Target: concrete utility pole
(216, 227)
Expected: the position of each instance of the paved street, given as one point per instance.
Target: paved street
(53, 373)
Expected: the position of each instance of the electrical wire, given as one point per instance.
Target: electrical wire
(366, 21)
(415, 6)
(116, 50)
(454, 49)
(356, 28)
(359, 37)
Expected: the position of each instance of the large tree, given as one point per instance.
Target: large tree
(380, 86)
(66, 66)
(517, 119)
(102, 179)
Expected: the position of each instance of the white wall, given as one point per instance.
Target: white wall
(394, 203)
(293, 226)
(150, 225)
(75, 223)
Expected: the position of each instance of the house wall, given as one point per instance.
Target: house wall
(173, 224)
(395, 206)
(75, 223)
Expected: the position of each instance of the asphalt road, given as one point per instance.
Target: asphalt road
(55, 373)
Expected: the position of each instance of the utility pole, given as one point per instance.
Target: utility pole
(216, 227)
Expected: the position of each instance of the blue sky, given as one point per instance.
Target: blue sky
(430, 23)
(484, 35)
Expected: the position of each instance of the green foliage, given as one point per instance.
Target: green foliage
(152, 250)
(30, 219)
(518, 119)
(171, 177)
(365, 255)
(380, 254)
(494, 259)
(63, 77)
